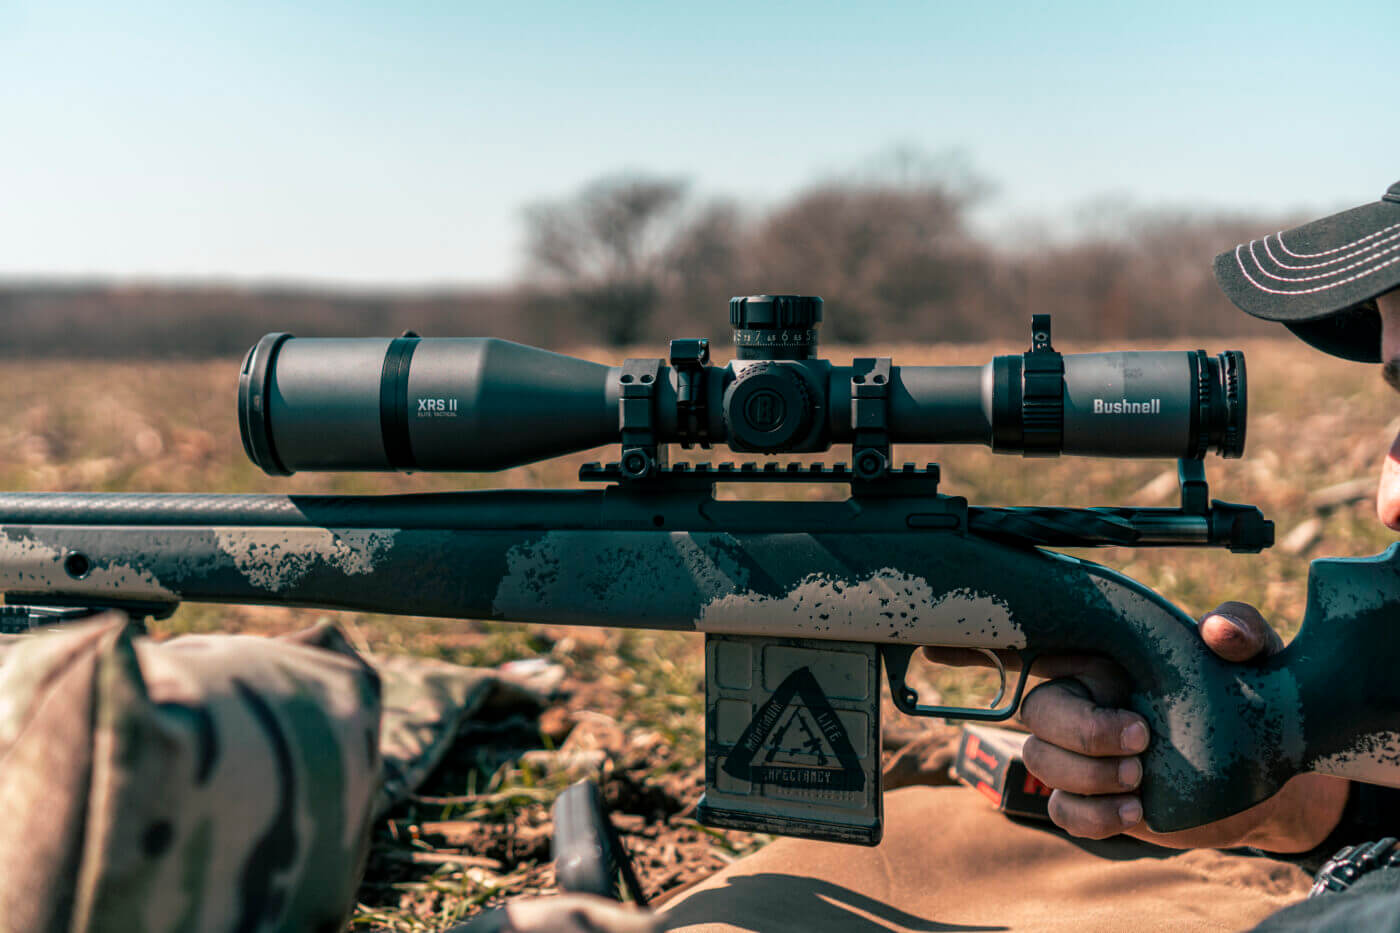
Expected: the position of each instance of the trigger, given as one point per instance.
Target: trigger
(1001, 673)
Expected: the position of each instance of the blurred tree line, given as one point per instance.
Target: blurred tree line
(635, 259)
(893, 255)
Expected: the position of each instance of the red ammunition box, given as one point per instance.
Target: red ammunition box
(989, 760)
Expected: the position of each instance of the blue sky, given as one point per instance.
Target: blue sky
(394, 144)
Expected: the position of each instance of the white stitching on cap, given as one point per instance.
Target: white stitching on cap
(1319, 265)
(1314, 278)
(1329, 252)
(1308, 291)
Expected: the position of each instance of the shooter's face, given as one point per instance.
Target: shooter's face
(1388, 499)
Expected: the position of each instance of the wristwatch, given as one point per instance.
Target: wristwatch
(1350, 863)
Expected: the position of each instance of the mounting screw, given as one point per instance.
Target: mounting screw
(635, 464)
(77, 565)
(870, 464)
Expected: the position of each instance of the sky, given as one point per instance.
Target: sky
(394, 145)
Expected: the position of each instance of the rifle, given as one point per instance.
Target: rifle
(801, 602)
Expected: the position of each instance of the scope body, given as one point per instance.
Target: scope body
(481, 404)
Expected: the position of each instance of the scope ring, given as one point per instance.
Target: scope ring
(1042, 394)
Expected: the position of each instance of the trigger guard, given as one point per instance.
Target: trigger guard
(896, 660)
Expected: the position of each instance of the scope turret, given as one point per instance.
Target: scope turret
(775, 327)
(476, 404)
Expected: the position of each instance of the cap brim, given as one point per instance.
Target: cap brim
(1353, 334)
(1308, 276)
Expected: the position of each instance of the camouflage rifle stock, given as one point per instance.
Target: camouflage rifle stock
(801, 603)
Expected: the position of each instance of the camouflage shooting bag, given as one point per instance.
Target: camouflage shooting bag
(210, 782)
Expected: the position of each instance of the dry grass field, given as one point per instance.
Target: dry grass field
(89, 426)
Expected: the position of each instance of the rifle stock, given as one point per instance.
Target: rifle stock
(1225, 736)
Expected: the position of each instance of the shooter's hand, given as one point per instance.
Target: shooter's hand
(1085, 745)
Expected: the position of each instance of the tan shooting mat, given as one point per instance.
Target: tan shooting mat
(949, 862)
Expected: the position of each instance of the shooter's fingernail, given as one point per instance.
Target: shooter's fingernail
(1236, 624)
(1134, 738)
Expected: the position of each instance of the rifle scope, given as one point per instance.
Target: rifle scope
(486, 404)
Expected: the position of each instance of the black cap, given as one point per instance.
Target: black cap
(1320, 280)
(785, 311)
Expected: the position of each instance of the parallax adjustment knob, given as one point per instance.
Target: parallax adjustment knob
(767, 408)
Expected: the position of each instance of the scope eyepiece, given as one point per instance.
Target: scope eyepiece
(1226, 421)
(1180, 403)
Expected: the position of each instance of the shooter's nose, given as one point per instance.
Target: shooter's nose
(1388, 498)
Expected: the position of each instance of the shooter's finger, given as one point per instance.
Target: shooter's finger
(1080, 774)
(1238, 632)
(1095, 817)
(1064, 713)
(1108, 684)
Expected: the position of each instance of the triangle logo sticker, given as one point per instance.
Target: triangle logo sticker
(796, 740)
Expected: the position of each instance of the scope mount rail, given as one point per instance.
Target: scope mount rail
(1198, 521)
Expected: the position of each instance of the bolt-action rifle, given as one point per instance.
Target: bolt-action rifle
(801, 602)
